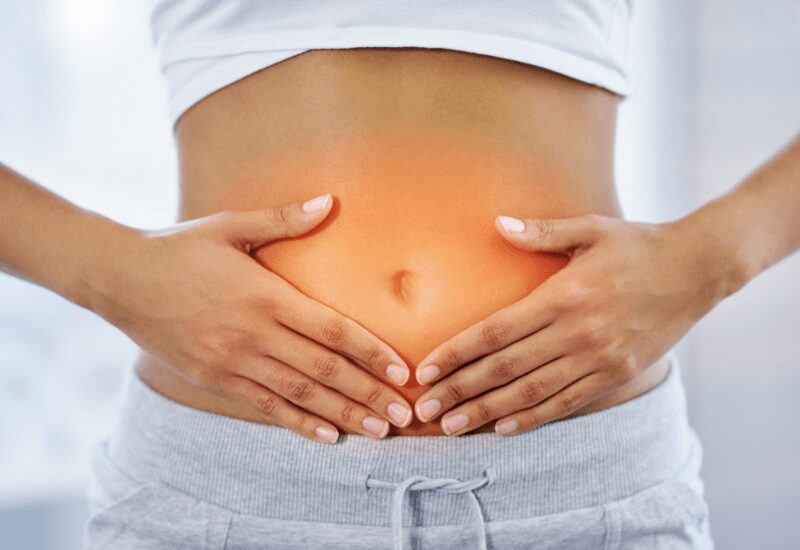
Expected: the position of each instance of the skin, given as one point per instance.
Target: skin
(593, 326)
(223, 330)
(220, 302)
(420, 150)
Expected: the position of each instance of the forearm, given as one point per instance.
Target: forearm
(52, 242)
(752, 226)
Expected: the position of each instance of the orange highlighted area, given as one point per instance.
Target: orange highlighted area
(410, 249)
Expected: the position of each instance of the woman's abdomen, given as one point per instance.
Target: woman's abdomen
(410, 249)
(418, 175)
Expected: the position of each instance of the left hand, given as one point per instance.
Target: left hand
(629, 292)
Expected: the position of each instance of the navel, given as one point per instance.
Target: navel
(402, 285)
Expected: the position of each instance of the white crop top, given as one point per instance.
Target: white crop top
(204, 45)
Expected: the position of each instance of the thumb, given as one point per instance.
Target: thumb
(549, 235)
(258, 227)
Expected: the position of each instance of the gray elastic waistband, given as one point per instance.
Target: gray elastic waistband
(269, 471)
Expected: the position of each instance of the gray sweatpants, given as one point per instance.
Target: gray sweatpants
(173, 477)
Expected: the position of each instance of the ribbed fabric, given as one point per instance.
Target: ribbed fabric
(269, 471)
(204, 45)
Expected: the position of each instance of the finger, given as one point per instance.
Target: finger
(520, 394)
(337, 372)
(571, 399)
(551, 235)
(280, 411)
(333, 330)
(495, 332)
(492, 371)
(312, 396)
(257, 227)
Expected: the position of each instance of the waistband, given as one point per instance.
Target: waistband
(269, 471)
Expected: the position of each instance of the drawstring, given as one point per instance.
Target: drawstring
(442, 485)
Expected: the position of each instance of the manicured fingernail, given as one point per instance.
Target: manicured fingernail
(316, 204)
(506, 426)
(512, 225)
(399, 413)
(427, 374)
(428, 409)
(378, 426)
(326, 434)
(397, 374)
(452, 424)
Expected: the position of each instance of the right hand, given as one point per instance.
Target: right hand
(195, 298)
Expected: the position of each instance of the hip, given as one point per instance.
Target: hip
(624, 477)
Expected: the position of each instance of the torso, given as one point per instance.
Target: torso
(421, 149)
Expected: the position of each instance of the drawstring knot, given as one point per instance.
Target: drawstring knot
(442, 485)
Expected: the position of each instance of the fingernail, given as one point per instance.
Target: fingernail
(427, 374)
(397, 374)
(316, 204)
(428, 409)
(452, 424)
(378, 426)
(399, 413)
(506, 426)
(511, 225)
(326, 434)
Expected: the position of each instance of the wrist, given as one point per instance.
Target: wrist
(106, 261)
(712, 253)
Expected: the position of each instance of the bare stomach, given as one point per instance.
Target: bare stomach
(421, 149)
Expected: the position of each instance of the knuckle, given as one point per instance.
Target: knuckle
(334, 333)
(374, 357)
(300, 390)
(280, 213)
(301, 424)
(577, 293)
(267, 404)
(217, 349)
(591, 331)
(272, 214)
(373, 395)
(347, 413)
(607, 357)
(455, 391)
(483, 411)
(503, 368)
(326, 367)
(450, 360)
(532, 391)
(567, 404)
(493, 334)
(546, 227)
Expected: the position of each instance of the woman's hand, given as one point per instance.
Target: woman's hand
(193, 297)
(628, 293)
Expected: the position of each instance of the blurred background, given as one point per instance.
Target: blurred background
(82, 112)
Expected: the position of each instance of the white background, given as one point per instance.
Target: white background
(82, 112)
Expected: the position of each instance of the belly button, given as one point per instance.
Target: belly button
(402, 283)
